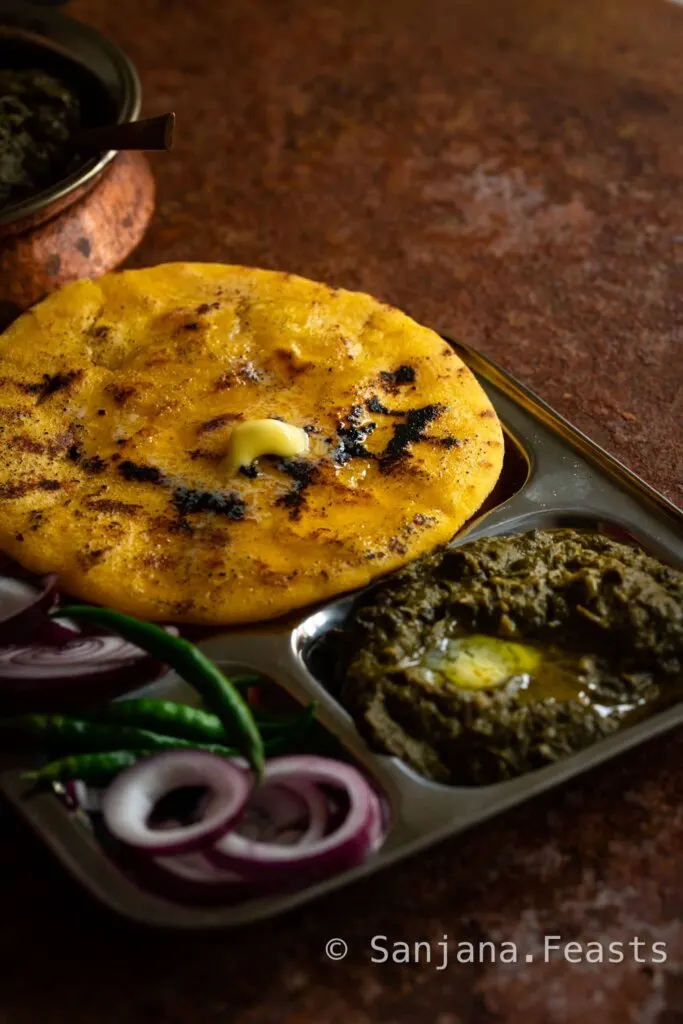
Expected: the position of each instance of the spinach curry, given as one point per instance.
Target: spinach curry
(492, 659)
(38, 114)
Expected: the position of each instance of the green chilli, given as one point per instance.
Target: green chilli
(63, 733)
(93, 769)
(217, 692)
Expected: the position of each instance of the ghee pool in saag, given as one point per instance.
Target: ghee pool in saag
(483, 662)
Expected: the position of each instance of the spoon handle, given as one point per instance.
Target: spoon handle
(148, 134)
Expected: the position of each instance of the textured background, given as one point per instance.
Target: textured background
(510, 173)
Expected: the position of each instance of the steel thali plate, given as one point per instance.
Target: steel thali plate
(553, 476)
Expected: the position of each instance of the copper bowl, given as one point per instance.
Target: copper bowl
(91, 220)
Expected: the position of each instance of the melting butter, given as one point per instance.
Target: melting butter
(479, 662)
(253, 438)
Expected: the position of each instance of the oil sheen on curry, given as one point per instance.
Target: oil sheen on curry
(218, 444)
(503, 655)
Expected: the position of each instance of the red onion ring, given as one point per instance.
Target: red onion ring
(377, 823)
(280, 814)
(24, 606)
(77, 664)
(344, 848)
(81, 797)
(130, 799)
(188, 879)
(83, 656)
(198, 869)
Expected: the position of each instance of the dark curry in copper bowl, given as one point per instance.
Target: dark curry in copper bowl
(56, 76)
(67, 211)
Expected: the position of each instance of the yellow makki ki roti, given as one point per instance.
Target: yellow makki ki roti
(130, 463)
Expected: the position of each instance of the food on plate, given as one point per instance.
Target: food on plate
(140, 727)
(46, 660)
(253, 438)
(130, 800)
(172, 796)
(135, 638)
(136, 726)
(131, 407)
(311, 817)
(215, 688)
(494, 658)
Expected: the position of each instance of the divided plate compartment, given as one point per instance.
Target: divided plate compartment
(553, 476)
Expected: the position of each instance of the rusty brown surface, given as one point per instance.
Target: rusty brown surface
(513, 173)
(91, 236)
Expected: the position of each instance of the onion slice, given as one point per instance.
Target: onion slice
(76, 664)
(189, 878)
(24, 606)
(197, 869)
(81, 797)
(344, 848)
(281, 814)
(130, 799)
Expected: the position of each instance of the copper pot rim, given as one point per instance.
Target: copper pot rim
(61, 34)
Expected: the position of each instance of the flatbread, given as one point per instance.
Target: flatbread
(117, 399)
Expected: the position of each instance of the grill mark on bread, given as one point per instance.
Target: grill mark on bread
(189, 500)
(112, 505)
(204, 453)
(352, 438)
(161, 525)
(120, 393)
(52, 383)
(245, 373)
(26, 444)
(374, 405)
(13, 414)
(303, 473)
(411, 431)
(392, 380)
(48, 385)
(88, 559)
(293, 363)
(443, 442)
(18, 490)
(91, 464)
(218, 421)
(351, 443)
(52, 448)
(140, 473)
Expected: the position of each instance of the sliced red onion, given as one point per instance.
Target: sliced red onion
(130, 799)
(197, 868)
(82, 797)
(344, 848)
(377, 824)
(280, 814)
(82, 664)
(24, 606)
(188, 878)
(82, 656)
(56, 632)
